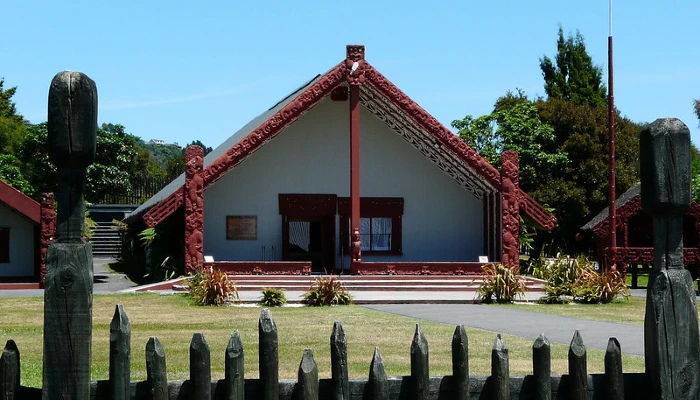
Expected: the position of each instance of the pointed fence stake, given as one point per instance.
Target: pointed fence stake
(377, 382)
(420, 368)
(234, 374)
(500, 370)
(614, 380)
(308, 376)
(120, 355)
(200, 368)
(542, 368)
(268, 356)
(578, 368)
(156, 371)
(9, 372)
(339, 363)
(460, 363)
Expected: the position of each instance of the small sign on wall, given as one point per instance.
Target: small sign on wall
(483, 259)
(241, 227)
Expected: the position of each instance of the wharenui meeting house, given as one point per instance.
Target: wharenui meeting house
(346, 173)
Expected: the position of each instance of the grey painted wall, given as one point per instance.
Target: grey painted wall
(441, 222)
(21, 243)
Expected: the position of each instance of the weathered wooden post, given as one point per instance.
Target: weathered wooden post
(542, 368)
(235, 366)
(339, 363)
(308, 377)
(671, 343)
(420, 365)
(200, 368)
(500, 370)
(460, 363)
(156, 370)
(377, 382)
(614, 379)
(120, 355)
(268, 356)
(9, 372)
(72, 135)
(578, 368)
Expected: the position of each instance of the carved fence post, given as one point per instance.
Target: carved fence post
(578, 368)
(72, 133)
(156, 371)
(268, 356)
(9, 372)
(378, 386)
(510, 223)
(120, 355)
(339, 363)
(235, 366)
(460, 363)
(671, 343)
(420, 366)
(614, 379)
(200, 368)
(308, 376)
(194, 208)
(500, 370)
(542, 368)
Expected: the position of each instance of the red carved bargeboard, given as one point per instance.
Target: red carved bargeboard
(416, 268)
(194, 208)
(262, 267)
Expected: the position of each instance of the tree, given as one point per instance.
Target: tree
(11, 174)
(515, 125)
(7, 106)
(697, 108)
(573, 76)
(12, 129)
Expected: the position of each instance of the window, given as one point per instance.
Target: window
(4, 245)
(380, 224)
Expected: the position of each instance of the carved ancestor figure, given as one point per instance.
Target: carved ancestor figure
(194, 208)
(356, 246)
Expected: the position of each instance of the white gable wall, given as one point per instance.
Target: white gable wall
(21, 243)
(442, 221)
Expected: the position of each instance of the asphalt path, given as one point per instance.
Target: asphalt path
(526, 324)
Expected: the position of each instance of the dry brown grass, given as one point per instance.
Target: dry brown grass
(174, 319)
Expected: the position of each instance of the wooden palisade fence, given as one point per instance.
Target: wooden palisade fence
(577, 385)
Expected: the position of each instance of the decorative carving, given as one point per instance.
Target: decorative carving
(194, 208)
(356, 246)
(262, 267)
(535, 210)
(165, 208)
(510, 215)
(417, 268)
(355, 64)
(48, 230)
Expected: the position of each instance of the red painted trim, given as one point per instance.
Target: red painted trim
(19, 202)
(355, 158)
(416, 268)
(262, 267)
(538, 213)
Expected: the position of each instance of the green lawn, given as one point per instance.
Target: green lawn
(173, 319)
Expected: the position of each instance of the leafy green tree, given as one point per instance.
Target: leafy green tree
(34, 155)
(572, 75)
(11, 174)
(12, 129)
(7, 106)
(697, 108)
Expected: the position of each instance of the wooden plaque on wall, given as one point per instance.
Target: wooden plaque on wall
(241, 227)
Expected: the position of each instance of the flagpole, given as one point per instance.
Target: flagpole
(611, 133)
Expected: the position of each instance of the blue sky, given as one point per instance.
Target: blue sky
(183, 70)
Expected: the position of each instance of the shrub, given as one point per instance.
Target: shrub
(273, 297)
(502, 283)
(326, 291)
(560, 274)
(212, 287)
(599, 287)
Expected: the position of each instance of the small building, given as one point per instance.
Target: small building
(635, 236)
(345, 173)
(24, 239)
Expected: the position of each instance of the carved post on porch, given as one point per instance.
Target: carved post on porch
(355, 74)
(48, 230)
(194, 208)
(510, 222)
(72, 137)
(671, 343)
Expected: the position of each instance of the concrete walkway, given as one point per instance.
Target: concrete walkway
(527, 324)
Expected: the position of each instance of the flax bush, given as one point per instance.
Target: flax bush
(326, 291)
(501, 283)
(212, 288)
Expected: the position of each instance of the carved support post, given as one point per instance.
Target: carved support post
(48, 230)
(355, 75)
(194, 208)
(671, 343)
(510, 214)
(72, 136)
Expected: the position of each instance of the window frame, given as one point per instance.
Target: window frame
(4, 244)
(373, 207)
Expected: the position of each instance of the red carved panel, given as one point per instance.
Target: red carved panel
(307, 205)
(645, 255)
(262, 267)
(355, 64)
(194, 208)
(48, 230)
(416, 268)
(538, 213)
(164, 208)
(426, 121)
(510, 223)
